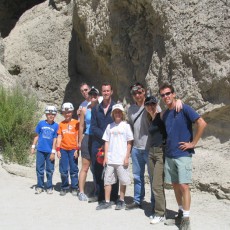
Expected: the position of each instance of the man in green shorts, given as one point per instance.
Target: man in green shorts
(179, 150)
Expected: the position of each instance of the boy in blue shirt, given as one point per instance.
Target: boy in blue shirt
(46, 135)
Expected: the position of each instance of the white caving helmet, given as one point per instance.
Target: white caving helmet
(50, 109)
(67, 107)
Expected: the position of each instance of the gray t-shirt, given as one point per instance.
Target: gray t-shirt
(142, 138)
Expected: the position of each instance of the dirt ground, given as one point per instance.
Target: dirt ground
(21, 209)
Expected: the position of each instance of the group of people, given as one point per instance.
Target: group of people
(163, 141)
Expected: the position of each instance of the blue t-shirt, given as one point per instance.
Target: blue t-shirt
(87, 122)
(83, 104)
(46, 133)
(179, 129)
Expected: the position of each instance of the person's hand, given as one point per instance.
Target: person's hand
(79, 145)
(126, 162)
(59, 154)
(105, 162)
(32, 151)
(79, 111)
(76, 154)
(186, 145)
(52, 156)
(179, 105)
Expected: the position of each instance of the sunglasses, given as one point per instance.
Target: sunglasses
(136, 92)
(166, 94)
(136, 89)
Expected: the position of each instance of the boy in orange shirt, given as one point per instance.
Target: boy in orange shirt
(67, 150)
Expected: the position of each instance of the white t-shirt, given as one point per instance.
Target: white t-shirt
(117, 135)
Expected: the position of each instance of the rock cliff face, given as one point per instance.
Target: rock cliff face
(37, 50)
(60, 43)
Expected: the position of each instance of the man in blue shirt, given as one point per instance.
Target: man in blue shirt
(179, 149)
(100, 118)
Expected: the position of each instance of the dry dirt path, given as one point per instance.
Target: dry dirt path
(21, 209)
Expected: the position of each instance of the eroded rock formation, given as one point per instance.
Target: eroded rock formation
(60, 43)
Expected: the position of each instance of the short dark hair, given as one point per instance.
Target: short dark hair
(106, 83)
(166, 85)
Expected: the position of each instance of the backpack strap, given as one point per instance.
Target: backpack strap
(138, 115)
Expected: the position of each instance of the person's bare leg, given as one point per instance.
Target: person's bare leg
(122, 192)
(178, 193)
(185, 191)
(108, 189)
(83, 174)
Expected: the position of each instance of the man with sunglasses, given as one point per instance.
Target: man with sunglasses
(138, 120)
(180, 146)
(84, 88)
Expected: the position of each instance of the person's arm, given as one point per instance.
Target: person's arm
(34, 144)
(201, 124)
(59, 138)
(129, 146)
(179, 105)
(81, 126)
(94, 124)
(52, 155)
(106, 148)
(76, 153)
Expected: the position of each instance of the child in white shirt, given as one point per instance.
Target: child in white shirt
(118, 138)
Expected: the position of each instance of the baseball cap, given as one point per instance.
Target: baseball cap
(118, 106)
(150, 100)
(93, 91)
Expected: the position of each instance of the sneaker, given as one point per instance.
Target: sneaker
(176, 220)
(178, 217)
(152, 216)
(120, 205)
(82, 197)
(103, 201)
(75, 192)
(63, 192)
(185, 224)
(104, 205)
(49, 191)
(38, 190)
(157, 219)
(131, 206)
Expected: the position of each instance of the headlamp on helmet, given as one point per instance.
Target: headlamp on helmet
(50, 109)
(67, 107)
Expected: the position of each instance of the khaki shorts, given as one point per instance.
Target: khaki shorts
(112, 172)
(178, 170)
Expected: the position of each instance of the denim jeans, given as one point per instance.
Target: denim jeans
(43, 163)
(139, 160)
(68, 165)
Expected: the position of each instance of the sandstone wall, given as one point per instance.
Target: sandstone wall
(37, 50)
(60, 43)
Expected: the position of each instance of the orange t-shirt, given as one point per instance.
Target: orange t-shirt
(69, 132)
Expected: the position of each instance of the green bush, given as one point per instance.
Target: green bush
(18, 111)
